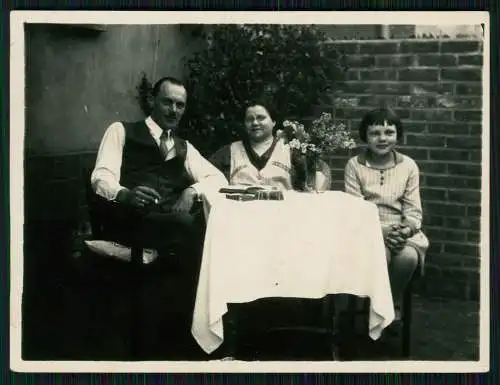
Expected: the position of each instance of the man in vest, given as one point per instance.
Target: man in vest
(145, 167)
(151, 178)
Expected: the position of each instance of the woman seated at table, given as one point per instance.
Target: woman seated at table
(390, 180)
(262, 158)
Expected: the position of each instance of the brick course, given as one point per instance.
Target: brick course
(436, 88)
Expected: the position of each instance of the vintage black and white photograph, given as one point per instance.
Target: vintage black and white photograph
(253, 189)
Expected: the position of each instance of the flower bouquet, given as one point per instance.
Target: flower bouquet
(323, 138)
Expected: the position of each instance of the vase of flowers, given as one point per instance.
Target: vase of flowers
(305, 160)
(308, 146)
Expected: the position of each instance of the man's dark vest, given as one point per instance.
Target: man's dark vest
(143, 164)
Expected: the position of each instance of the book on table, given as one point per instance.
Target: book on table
(252, 192)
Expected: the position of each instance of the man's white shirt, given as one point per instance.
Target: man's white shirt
(105, 178)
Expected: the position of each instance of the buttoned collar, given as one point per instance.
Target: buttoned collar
(362, 158)
(155, 130)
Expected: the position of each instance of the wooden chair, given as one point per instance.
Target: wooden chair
(356, 318)
(278, 321)
(99, 222)
(325, 332)
(407, 315)
(113, 272)
(131, 276)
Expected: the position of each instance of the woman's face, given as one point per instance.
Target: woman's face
(381, 139)
(258, 124)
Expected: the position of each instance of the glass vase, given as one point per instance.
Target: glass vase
(310, 179)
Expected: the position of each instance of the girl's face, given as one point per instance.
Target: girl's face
(381, 139)
(258, 124)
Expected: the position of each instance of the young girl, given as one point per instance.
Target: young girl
(390, 180)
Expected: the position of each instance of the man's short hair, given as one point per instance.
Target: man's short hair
(170, 79)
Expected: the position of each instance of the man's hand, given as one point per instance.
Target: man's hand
(185, 202)
(140, 196)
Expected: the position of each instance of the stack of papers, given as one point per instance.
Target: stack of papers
(249, 192)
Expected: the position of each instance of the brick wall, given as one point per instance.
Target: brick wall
(435, 86)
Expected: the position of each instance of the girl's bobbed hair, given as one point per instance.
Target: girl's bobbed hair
(380, 116)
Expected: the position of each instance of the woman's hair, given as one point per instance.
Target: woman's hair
(379, 116)
(268, 105)
(261, 103)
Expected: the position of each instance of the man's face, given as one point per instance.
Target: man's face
(169, 105)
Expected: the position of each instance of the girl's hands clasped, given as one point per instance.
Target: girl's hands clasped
(395, 237)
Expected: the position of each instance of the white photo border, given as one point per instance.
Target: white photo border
(17, 119)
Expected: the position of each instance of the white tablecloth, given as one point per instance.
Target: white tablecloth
(306, 246)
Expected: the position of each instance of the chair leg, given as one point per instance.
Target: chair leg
(136, 286)
(348, 337)
(331, 324)
(406, 320)
(231, 334)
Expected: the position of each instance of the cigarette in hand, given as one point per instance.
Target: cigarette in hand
(156, 201)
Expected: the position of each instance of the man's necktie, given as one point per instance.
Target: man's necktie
(166, 144)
